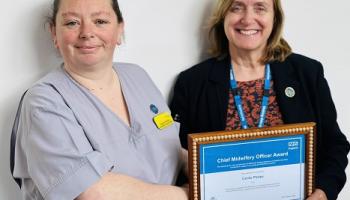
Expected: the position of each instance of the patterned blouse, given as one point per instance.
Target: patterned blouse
(251, 95)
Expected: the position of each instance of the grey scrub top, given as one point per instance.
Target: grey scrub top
(67, 138)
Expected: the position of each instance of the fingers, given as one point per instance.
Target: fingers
(317, 195)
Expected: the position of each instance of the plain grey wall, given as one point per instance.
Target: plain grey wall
(165, 37)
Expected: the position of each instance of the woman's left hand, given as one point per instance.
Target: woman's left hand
(317, 195)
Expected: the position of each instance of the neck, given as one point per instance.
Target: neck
(93, 78)
(246, 59)
(247, 65)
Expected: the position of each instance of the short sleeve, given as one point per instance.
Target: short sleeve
(60, 159)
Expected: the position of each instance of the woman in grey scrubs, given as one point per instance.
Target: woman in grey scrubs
(94, 129)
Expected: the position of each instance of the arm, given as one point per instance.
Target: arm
(333, 148)
(179, 108)
(184, 154)
(117, 186)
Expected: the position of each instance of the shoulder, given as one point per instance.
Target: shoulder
(304, 64)
(201, 68)
(42, 97)
(298, 58)
(296, 65)
(129, 68)
(131, 71)
(44, 92)
(135, 76)
(204, 71)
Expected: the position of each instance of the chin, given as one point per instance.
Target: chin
(249, 47)
(87, 62)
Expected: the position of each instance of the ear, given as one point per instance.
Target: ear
(54, 35)
(120, 32)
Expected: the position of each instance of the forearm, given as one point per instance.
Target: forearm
(116, 186)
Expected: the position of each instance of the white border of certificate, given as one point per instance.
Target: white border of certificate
(250, 136)
(300, 162)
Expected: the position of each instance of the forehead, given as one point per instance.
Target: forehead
(253, 2)
(85, 6)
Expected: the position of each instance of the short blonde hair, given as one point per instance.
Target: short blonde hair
(276, 49)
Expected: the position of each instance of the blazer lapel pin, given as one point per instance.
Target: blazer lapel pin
(289, 92)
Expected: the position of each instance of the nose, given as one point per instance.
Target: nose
(86, 31)
(247, 17)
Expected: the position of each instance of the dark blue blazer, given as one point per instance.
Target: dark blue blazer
(201, 96)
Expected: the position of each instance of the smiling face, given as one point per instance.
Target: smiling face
(86, 32)
(248, 25)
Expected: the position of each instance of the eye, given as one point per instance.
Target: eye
(260, 9)
(101, 22)
(71, 23)
(236, 8)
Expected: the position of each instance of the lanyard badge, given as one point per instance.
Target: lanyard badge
(238, 100)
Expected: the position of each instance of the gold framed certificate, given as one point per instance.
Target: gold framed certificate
(261, 163)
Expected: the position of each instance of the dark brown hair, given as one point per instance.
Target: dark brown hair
(56, 4)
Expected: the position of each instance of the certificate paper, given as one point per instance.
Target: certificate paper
(272, 163)
(273, 167)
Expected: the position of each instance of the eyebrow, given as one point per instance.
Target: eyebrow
(237, 2)
(100, 13)
(70, 14)
(262, 3)
(93, 14)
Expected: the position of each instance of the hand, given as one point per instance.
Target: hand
(318, 195)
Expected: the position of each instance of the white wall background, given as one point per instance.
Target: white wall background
(165, 37)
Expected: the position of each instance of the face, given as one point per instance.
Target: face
(248, 24)
(86, 32)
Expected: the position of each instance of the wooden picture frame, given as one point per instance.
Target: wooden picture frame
(211, 145)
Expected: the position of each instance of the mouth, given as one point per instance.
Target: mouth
(87, 48)
(248, 32)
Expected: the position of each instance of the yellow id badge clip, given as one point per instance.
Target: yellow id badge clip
(163, 120)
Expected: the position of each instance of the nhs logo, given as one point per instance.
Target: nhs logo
(293, 145)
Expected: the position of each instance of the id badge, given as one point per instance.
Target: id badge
(163, 120)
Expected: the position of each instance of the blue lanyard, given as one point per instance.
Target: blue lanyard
(264, 103)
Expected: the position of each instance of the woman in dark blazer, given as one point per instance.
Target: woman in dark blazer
(246, 40)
